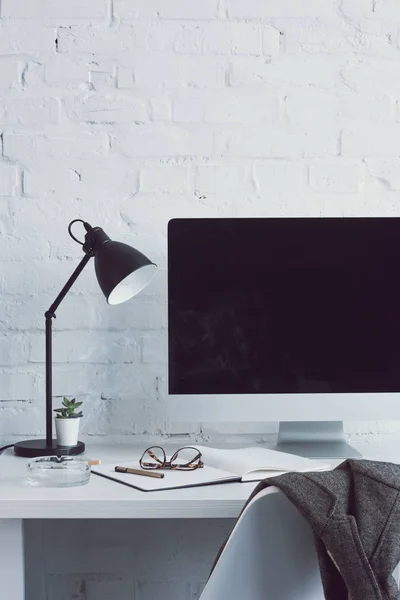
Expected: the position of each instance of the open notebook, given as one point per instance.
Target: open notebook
(220, 466)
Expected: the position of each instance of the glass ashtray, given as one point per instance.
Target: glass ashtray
(58, 471)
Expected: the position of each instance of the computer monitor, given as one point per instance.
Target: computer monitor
(294, 320)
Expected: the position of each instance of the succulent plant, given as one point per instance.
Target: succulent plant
(68, 408)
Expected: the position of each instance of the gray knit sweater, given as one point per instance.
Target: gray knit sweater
(354, 512)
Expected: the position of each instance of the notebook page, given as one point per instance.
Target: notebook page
(172, 479)
(244, 460)
(260, 474)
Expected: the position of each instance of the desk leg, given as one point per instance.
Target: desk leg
(11, 560)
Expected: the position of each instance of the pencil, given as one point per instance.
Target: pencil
(140, 472)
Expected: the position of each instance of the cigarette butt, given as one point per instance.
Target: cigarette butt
(94, 462)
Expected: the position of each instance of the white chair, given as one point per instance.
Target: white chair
(269, 556)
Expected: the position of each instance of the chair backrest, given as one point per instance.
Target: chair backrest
(270, 555)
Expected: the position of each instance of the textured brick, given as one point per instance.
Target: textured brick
(164, 140)
(300, 71)
(65, 72)
(144, 314)
(278, 143)
(335, 178)
(309, 109)
(8, 179)
(386, 170)
(256, 9)
(285, 178)
(319, 37)
(13, 349)
(367, 77)
(36, 278)
(10, 246)
(78, 310)
(15, 385)
(7, 222)
(71, 380)
(365, 109)
(231, 38)
(101, 79)
(173, 9)
(164, 179)
(54, 9)
(33, 112)
(125, 78)
(109, 180)
(154, 348)
(197, 37)
(26, 312)
(271, 40)
(17, 38)
(58, 180)
(174, 72)
(108, 108)
(217, 179)
(161, 109)
(232, 107)
(92, 347)
(57, 71)
(22, 419)
(360, 10)
(9, 73)
(95, 40)
(26, 147)
(384, 9)
(371, 141)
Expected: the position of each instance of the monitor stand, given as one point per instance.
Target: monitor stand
(315, 439)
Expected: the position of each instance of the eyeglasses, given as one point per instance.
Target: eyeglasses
(184, 459)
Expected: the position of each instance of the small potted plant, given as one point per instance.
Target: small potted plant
(67, 422)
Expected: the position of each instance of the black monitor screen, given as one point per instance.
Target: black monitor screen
(283, 306)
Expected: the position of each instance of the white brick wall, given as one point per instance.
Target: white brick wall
(174, 9)
(125, 560)
(9, 73)
(56, 10)
(8, 179)
(129, 112)
(19, 37)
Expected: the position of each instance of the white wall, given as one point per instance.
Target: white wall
(129, 112)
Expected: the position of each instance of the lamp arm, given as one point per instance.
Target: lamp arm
(50, 315)
(68, 286)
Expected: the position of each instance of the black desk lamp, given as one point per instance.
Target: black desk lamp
(122, 272)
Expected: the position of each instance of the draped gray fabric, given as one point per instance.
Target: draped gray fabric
(354, 512)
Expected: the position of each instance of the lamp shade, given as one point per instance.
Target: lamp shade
(122, 271)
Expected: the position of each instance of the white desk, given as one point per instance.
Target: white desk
(108, 500)
(104, 499)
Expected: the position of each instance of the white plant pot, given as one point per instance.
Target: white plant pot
(67, 431)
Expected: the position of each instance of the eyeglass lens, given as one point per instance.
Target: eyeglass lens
(184, 459)
(153, 458)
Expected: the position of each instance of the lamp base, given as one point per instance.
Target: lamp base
(33, 448)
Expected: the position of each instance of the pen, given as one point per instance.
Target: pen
(139, 472)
